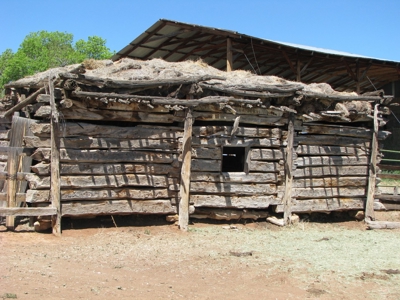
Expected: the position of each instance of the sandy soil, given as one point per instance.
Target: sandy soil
(146, 258)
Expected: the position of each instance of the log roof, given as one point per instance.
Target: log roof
(175, 42)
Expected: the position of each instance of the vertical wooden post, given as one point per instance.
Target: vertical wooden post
(229, 55)
(287, 198)
(55, 184)
(12, 166)
(358, 87)
(298, 73)
(185, 173)
(369, 206)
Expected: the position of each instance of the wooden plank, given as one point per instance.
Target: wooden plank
(331, 171)
(369, 206)
(237, 177)
(55, 185)
(228, 214)
(27, 211)
(206, 165)
(12, 167)
(267, 154)
(117, 115)
(229, 55)
(19, 176)
(238, 141)
(330, 150)
(184, 190)
(207, 131)
(389, 176)
(287, 196)
(382, 225)
(73, 129)
(105, 156)
(337, 130)
(388, 167)
(329, 140)
(263, 166)
(221, 188)
(329, 192)
(109, 169)
(244, 119)
(389, 198)
(35, 196)
(306, 161)
(118, 207)
(324, 205)
(206, 153)
(103, 143)
(256, 202)
(330, 182)
(99, 181)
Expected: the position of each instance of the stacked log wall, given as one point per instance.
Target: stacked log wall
(331, 168)
(108, 169)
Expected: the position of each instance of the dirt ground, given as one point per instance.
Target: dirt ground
(148, 258)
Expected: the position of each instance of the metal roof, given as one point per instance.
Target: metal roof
(176, 41)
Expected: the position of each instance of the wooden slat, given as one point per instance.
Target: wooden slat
(257, 202)
(27, 211)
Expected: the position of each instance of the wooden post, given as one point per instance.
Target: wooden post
(369, 206)
(358, 87)
(12, 166)
(229, 55)
(185, 173)
(287, 198)
(55, 185)
(298, 75)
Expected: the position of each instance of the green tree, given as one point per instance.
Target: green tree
(43, 50)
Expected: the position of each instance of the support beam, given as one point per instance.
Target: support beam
(185, 172)
(229, 55)
(369, 206)
(287, 198)
(55, 192)
(12, 167)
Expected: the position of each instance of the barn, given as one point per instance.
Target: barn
(186, 139)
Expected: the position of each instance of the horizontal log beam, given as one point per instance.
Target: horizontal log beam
(232, 188)
(256, 202)
(330, 150)
(249, 132)
(305, 161)
(324, 205)
(331, 171)
(27, 211)
(235, 177)
(118, 207)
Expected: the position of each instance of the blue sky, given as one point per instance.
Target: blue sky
(365, 27)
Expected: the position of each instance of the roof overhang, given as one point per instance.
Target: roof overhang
(175, 41)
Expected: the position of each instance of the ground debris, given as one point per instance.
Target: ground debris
(240, 254)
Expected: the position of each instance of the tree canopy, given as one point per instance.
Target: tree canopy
(43, 50)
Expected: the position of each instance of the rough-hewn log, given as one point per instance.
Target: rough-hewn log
(342, 131)
(24, 103)
(228, 214)
(268, 154)
(382, 225)
(326, 140)
(207, 153)
(109, 169)
(236, 177)
(256, 202)
(263, 166)
(244, 119)
(324, 205)
(331, 171)
(105, 156)
(287, 196)
(134, 84)
(184, 190)
(331, 160)
(328, 192)
(103, 143)
(117, 115)
(82, 208)
(19, 197)
(35, 196)
(206, 165)
(243, 93)
(232, 188)
(72, 129)
(98, 181)
(369, 206)
(249, 132)
(330, 182)
(18, 176)
(238, 141)
(330, 150)
(337, 97)
(27, 211)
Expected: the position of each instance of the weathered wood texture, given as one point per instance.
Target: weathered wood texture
(324, 205)
(81, 208)
(27, 211)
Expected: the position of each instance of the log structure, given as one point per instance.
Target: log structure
(151, 137)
